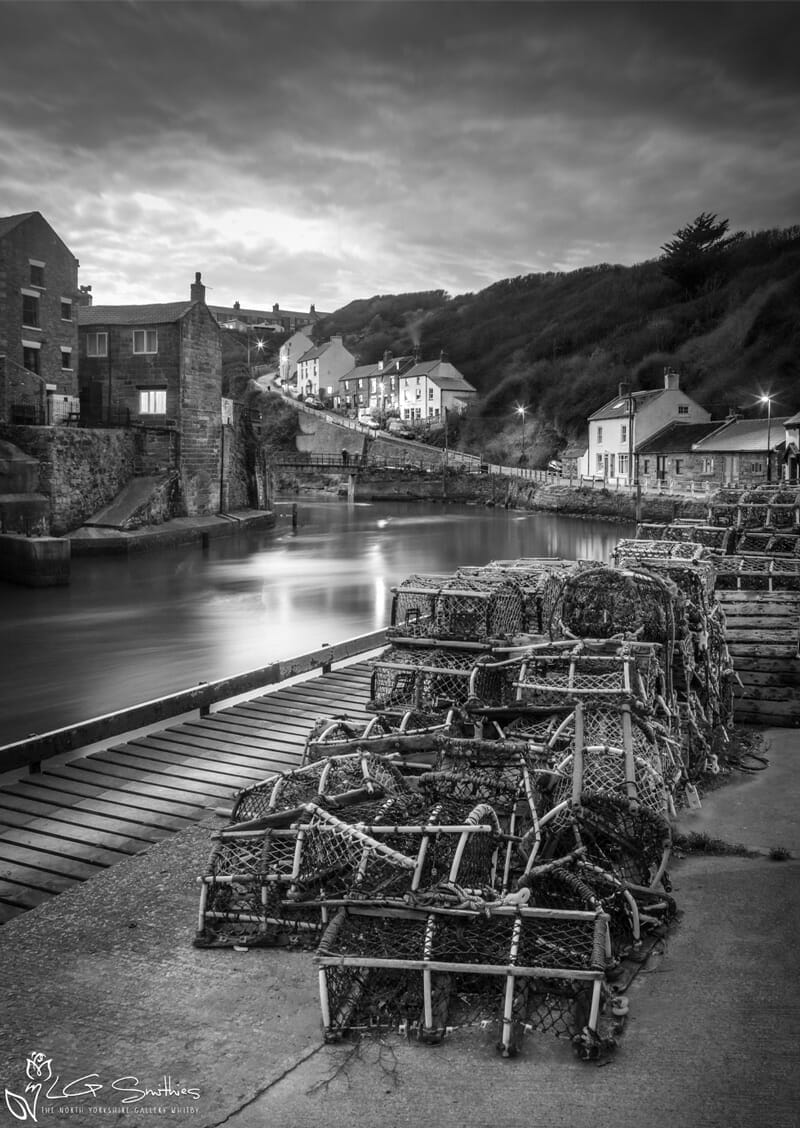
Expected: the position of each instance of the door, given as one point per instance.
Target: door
(730, 472)
(661, 467)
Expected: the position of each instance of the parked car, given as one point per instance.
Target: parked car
(366, 420)
(312, 401)
(398, 428)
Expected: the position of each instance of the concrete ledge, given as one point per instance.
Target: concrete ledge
(34, 561)
(88, 541)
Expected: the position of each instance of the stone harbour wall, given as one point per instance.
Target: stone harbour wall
(80, 471)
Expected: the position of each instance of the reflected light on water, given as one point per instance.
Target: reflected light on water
(129, 630)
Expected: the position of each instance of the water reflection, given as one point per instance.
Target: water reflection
(130, 629)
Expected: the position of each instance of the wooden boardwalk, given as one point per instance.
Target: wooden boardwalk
(70, 821)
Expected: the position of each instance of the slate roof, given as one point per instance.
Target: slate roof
(162, 313)
(360, 372)
(744, 436)
(617, 408)
(451, 381)
(9, 222)
(676, 438)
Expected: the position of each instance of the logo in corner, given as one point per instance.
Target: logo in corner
(39, 1070)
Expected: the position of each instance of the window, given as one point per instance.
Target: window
(97, 344)
(419, 393)
(599, 462)
(66, 309)
(66, 358)
(708, 465)
(30, 357)
(37, 273)
(756, 467)
(430, 393)
(646, 466)
(683, 409)
(30, 309)
(623, 464)
(678, 465)
(146, 341)
(152, 401)
(599, 434)
(623, 432)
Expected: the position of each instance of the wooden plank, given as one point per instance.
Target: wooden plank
(19, 810)
(144, 782)
(233, 734)
(8, 912)
(24, 897)
(70, 849)
(187, 739)
(728, 596)
(771, 678)
(765, 664)
(778, 635)
(761, 650)
(16, 859)
(63, 791)
(59, 833)
(138, 791)
(177, 767)
(191, 751)
(773, 693)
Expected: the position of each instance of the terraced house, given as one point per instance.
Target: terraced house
(158, 368)
(38, 322)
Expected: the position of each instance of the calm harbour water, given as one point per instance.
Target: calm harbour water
(130, 629)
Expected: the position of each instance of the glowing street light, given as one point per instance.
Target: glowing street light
(767, 399)
(521, 411)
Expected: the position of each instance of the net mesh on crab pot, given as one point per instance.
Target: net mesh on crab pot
(604, 602)
(337, 781)
(514, 968)
(248, 894)
(622, 838)
(551, 675)
(432, 681)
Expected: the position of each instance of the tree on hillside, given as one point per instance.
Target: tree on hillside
(695, 258)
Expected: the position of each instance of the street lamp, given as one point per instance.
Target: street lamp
(767, 399)
(521, 411)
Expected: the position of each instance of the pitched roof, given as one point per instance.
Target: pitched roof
(9, 222)
(744, 436)
(618, 407)
(448, 379)
(358, 373)
(163, 313)
(676, 438)
(577, 448)
(793, 422)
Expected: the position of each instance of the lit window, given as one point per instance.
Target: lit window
(683, 409)
(30, 309)
(97, 344)
(152, 401)
(66, 358)
(37, 273)
(708, 465)
(145, 340)
(66, 309)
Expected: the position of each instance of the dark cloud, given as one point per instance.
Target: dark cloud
(339, 149)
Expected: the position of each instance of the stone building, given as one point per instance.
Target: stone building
(320, 368)
(158, 368)
(38, 322)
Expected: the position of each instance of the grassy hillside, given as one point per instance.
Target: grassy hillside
(561, 343)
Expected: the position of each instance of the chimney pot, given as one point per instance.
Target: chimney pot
(197, 290)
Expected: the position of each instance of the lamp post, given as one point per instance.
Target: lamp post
(521, 412)
(767, 399)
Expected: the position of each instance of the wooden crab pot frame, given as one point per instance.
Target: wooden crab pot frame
(433, 681)
(406, 741)
(338, 781)
(264, 877)
(482, 608)
(524, 968)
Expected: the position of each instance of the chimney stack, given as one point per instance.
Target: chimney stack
(623, 388)
(672, 380)
(276, 307)
(85, 298)
(197, 290)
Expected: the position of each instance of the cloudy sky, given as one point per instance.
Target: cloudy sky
(325, 151)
